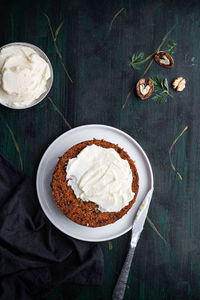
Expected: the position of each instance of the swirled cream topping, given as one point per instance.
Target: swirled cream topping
(23, 75)
(100, 175)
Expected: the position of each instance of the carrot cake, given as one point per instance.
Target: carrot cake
(95, 183)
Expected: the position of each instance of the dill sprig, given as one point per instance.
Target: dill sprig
(161, 89)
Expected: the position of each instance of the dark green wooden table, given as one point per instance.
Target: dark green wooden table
(96, 41)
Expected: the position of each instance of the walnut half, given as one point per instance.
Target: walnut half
(164, 59)
(144, 88)
(179, 84)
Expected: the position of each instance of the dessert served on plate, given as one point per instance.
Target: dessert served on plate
(95, 183)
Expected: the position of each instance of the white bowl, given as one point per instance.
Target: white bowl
(49, 81)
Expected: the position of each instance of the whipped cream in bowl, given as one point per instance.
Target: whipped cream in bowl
(26, 75)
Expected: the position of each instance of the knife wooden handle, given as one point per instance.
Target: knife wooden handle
(120, 286)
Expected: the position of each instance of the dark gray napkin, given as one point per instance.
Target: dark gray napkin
(34, 256)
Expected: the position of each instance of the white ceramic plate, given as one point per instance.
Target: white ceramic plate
(48, 164)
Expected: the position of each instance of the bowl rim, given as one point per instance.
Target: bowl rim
(44, 56)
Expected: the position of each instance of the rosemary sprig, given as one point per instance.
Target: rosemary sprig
(161, 89)
(171, 47)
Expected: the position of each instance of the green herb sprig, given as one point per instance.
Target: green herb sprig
(171, 47)
(136, 59)
(161, 89)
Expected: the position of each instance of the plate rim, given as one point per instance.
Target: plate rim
(60, 137)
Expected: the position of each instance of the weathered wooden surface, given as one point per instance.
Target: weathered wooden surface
(98, 61)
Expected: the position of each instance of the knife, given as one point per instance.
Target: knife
(137, 227)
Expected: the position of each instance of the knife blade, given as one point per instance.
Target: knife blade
(137, 227)
(140, 218)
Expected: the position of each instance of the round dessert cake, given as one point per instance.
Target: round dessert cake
(88, 213)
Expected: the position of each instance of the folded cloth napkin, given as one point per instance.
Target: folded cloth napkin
(35, 257)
